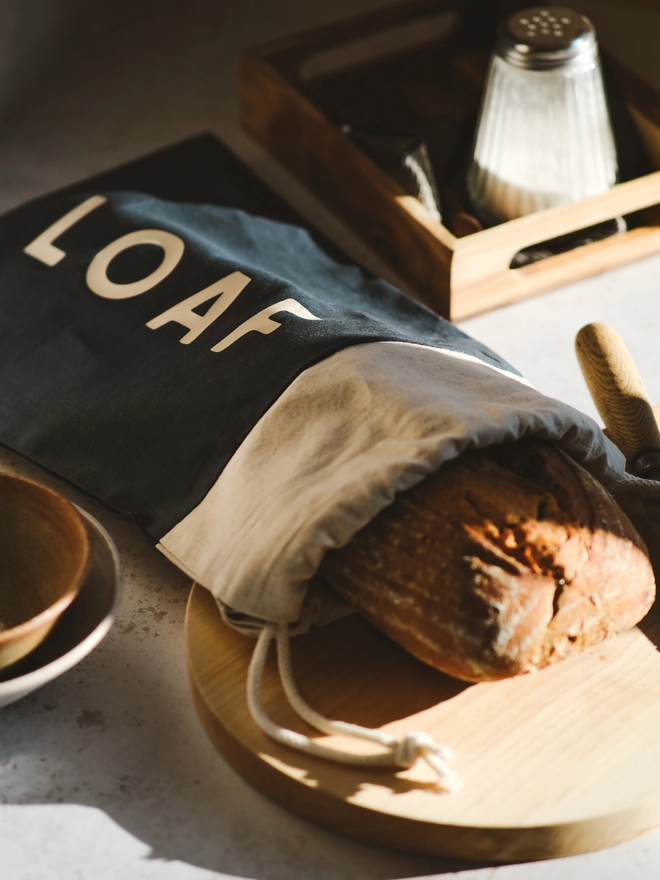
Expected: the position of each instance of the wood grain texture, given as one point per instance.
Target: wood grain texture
(556, 763)
(480, 275)
(617, 390)
(45, 551)
(289, 53)
(404, 236)
(457, 277)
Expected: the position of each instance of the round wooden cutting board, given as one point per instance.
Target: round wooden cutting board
(557, 763)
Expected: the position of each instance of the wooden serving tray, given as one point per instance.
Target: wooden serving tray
(561, 762)
(398, 69)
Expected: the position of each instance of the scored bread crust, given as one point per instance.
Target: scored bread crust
(505, 560)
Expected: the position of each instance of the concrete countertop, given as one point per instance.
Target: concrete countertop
(106, 772)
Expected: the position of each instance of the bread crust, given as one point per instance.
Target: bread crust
(505, 560)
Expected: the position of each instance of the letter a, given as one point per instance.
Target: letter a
(223, 291)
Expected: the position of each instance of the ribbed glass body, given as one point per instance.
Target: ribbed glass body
(544, 138)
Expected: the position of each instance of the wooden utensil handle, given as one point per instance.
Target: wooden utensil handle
(617, 390)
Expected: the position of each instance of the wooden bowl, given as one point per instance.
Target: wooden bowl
(80, 629)
(44, 557)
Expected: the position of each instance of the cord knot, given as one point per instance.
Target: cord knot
(419, 744)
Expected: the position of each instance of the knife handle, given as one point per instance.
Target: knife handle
(619, 394)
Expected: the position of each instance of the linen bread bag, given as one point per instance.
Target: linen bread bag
(176, 344)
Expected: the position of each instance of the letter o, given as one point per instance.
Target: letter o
(97, 273)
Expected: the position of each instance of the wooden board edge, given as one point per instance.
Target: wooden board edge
(515, 285)
(354, 26)
(636, 92)
(472, 844)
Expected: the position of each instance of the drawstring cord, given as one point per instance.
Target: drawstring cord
(403, 752)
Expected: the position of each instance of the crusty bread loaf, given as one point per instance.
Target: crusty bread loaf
(503, 561)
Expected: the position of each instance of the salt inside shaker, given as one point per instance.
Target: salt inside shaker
(544, 135)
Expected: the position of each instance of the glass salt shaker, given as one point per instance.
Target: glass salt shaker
(544, 135)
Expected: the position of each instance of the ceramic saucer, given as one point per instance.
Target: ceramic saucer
(80, 629)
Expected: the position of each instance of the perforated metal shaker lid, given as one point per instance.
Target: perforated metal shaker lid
(546, 37)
